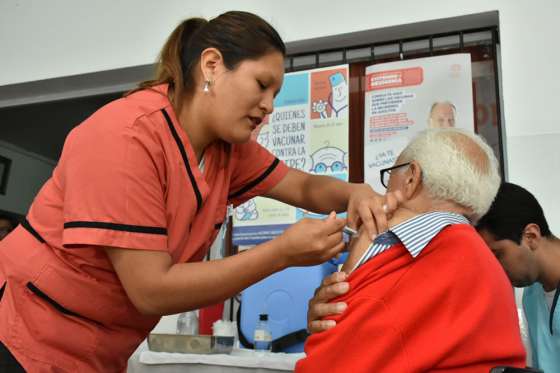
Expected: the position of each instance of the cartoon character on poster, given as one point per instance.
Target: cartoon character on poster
(337, 102)
(329, 159)
(247, 211)
(339, 95)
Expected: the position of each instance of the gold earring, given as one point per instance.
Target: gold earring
(206, 88)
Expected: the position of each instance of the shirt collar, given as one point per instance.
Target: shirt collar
(415, 234)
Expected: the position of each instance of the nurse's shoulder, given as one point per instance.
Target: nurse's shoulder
(138, 113)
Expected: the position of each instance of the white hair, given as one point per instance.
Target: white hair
(457, 166)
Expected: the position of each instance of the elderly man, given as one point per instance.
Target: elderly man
(442, 115)
(516, 230)
(427, 295)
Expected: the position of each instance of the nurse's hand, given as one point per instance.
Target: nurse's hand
(319, 305)
(311, 241)
(371, 209)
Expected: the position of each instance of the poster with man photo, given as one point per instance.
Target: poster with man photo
(405, 97)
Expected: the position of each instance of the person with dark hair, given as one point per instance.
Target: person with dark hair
(517, 232)
(7, 224)
(115, 238)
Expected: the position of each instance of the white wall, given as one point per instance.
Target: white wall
(45, 39)
(28, 173)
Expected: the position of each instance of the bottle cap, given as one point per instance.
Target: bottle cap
(263, 317)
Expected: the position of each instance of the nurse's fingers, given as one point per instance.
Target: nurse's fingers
(338, 248)
(373, 216)
(333, 224)
(392, 201)
(333, 243)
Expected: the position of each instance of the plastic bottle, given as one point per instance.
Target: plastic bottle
(187, 323)
(262, 337)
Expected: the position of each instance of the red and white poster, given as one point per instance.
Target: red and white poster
(405, 97)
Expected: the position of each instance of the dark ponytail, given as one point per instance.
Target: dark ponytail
(169, 67)
(237, 35)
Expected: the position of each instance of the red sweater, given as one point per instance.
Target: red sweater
(449, 310)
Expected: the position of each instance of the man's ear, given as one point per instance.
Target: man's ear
(413, 179)
(211, 64)
(532, 235)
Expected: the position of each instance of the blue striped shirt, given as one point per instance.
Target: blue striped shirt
(415, 234)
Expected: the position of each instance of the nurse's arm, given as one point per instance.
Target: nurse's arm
(317, 193)
(157, 286)
(322, 194)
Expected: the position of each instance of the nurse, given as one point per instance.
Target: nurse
(116, 237)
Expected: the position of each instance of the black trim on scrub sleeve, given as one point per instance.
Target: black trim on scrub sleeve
(115, 227)
(255, 182)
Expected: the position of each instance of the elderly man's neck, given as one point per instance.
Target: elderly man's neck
(410, 209)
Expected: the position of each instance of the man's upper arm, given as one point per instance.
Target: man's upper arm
(365, 339)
